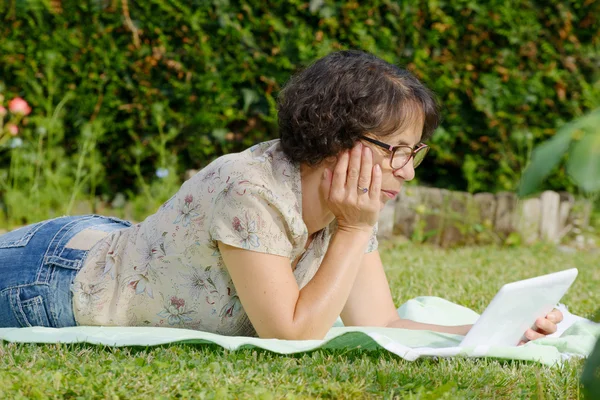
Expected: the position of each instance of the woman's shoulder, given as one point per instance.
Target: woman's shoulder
(260, 177)
(256, 201)
(258, 159)
(250, 199)
(263, 165)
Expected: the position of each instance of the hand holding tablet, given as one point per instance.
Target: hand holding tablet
(543, 326)
(516, 308)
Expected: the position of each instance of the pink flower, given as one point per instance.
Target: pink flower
(19, 106)
(2, 111)
(12, 129)
(237, 224)
(177, 302)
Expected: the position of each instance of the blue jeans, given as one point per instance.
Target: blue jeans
(37, 270)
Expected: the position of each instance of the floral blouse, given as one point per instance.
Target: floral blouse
(168, 271)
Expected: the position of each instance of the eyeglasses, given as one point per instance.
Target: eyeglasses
(402, 153)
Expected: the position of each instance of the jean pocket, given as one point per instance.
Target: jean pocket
(33, 312)
(20, 237)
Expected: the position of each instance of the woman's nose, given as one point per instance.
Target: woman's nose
(407, 172)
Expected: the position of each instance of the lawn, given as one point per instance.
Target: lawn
(469, 276)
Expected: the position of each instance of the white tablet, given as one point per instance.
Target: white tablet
(515, 308)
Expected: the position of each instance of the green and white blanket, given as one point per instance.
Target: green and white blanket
(576, 337)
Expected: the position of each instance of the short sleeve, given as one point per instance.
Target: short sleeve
(249, 216)
(373, 243)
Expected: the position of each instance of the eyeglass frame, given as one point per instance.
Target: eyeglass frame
(393, 148)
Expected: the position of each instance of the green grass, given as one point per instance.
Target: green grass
(469, 276)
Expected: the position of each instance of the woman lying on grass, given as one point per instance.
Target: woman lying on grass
(278, 240)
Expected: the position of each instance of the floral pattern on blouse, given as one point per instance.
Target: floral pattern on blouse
(168, 271)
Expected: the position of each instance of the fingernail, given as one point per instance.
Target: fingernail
(377, 168)
(325, 173)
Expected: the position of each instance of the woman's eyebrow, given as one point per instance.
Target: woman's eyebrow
(402, 142)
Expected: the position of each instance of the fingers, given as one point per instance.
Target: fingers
(530, 334)
(375, 191)
(339, 172)
(366, 165)
(354, 170)
(555, 316)
(545, 326)
(352, 207)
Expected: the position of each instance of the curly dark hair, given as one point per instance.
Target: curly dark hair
(325, 108)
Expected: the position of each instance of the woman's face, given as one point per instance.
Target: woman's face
(392, 180)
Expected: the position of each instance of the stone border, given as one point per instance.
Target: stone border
(445, 218)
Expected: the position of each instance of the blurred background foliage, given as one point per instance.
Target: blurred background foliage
(581, 139)
(149, 89)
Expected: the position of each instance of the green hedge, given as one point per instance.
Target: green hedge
(176, 83)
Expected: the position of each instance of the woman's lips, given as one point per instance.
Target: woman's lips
(390, 193)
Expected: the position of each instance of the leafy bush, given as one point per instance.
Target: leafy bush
(173, 84)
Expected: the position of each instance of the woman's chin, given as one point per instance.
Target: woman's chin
(383, 201)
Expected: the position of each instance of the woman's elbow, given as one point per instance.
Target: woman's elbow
(290, 333)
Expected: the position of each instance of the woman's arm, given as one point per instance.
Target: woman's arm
(270, 295)
(266, 284)
(370, 302)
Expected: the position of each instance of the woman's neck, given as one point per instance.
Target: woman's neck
(315, 213)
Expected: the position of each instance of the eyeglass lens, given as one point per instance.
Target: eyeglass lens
(402, 156)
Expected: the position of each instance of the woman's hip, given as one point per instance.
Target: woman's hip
(37, 268)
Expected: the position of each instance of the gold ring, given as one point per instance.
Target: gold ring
(364, 190)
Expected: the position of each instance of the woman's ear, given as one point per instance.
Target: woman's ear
(330, 161)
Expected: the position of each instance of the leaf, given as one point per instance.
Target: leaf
(315, 5)
(209, 280)
(584, 162)
(589, 377)
(219, 134)
(589, 122)
(250, 97)
(139, 361)
(547, 155)
(544, 158)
